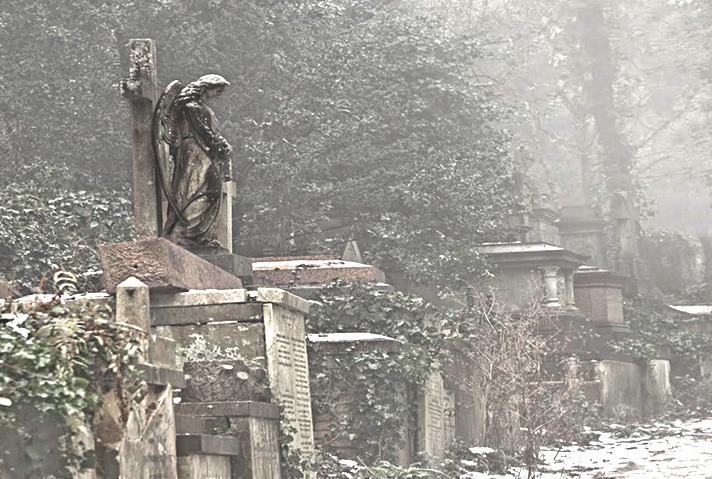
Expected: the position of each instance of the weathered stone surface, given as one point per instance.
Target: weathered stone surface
(247, 338)
(599, 294)
(305, 271)
(206, 444)
(199, 298)
(229, 409)
(189, 315)
(224, 380)
(146, 446)
(162, 376)
(657, 385)
(288, 368)
(433, 418)
(133, 307)
(214, 426)
(620, 384)
(200, 466)
(162, 352)
(259, 454)
(279, 297)
(161, 265)
(141, 88)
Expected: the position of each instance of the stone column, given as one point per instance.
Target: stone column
(551, 289)
(569, 285)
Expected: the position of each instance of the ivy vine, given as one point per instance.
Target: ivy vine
(56, 360)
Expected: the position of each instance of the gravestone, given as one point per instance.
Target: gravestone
(435, 417)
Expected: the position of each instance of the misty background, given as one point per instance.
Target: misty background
(415, 127)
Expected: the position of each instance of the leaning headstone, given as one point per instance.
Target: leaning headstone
(140, 442)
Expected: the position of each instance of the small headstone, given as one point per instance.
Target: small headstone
(352, 252)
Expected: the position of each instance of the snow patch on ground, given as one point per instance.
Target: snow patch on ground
(658, 451)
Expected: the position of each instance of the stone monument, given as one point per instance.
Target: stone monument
(181, 168)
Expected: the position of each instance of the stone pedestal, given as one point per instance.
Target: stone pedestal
(266, 322)
(161, 265)
(599, 294)
(145, 446)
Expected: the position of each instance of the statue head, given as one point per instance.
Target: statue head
(208, 86)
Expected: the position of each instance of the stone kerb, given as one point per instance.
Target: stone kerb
(266, 322)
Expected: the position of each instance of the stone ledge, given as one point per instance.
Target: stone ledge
(205, 297)
(229, 409)
(162, 266)
(280, 297)
(188, 444)
(153, 374)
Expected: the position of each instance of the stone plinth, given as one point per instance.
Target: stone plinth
(162, 266)
(658, 391)
(200, 466)
(599, 294)
(314, 271)
(266, 322)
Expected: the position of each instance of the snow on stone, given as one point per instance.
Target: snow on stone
(694, 310)
(346, 337)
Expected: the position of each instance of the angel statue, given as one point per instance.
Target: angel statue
(193, 160)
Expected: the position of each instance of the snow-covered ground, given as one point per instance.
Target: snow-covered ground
(659, 451)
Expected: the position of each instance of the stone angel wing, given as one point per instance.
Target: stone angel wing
(166, 140)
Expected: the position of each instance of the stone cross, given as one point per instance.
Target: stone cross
(142, 90)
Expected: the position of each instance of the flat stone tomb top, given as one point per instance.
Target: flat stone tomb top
(295, 272)
(208, 297)
(531, 253)
(305, 264)
(516, 247)
(347, 338)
